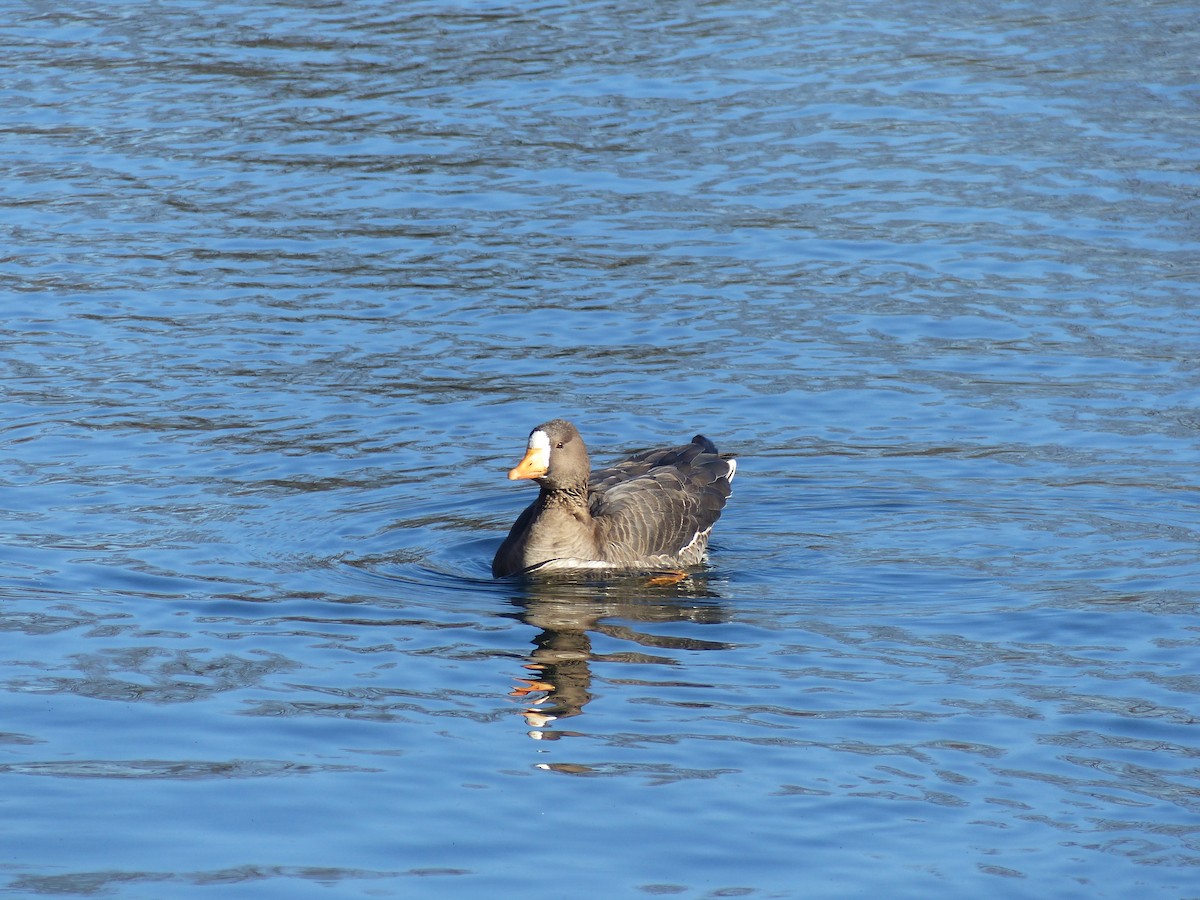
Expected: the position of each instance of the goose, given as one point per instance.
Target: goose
(654, 510)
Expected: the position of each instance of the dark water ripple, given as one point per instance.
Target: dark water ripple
(286, 287)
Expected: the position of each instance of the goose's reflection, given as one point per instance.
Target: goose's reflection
(568, 613)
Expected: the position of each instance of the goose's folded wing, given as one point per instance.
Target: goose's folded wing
(661, 510)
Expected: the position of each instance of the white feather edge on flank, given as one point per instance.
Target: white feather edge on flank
(698, 536)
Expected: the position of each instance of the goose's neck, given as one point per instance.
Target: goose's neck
(573, 499)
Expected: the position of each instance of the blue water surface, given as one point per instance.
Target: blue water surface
(286, 285)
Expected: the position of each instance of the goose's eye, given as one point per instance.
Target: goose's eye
(558, 446)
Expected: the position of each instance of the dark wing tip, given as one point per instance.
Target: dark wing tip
(705, 444)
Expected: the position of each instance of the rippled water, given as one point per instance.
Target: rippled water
(286, 286)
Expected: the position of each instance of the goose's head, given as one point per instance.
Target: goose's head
(555, 457)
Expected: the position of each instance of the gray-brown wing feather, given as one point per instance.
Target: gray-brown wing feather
(656, 503)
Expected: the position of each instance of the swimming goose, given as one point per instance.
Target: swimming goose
(653, 510)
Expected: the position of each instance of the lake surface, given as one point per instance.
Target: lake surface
(287, 284)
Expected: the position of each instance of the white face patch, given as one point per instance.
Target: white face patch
(537, 458)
